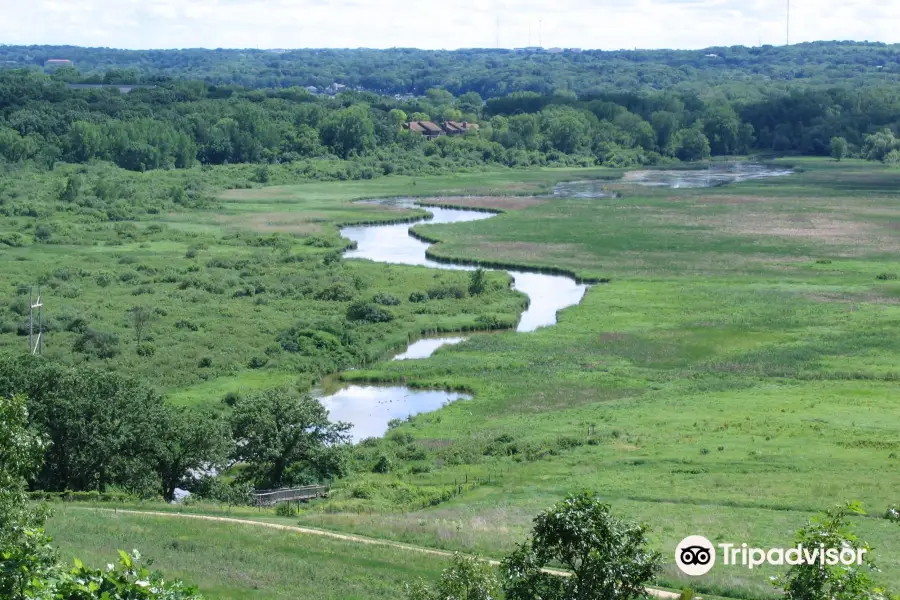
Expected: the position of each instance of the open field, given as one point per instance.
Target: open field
(736, 375)
(229, 561)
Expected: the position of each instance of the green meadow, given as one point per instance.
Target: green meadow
(736, 374)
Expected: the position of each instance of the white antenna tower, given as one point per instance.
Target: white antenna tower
(35, 343)
(788, 37)
(541, 33)
(498, 31)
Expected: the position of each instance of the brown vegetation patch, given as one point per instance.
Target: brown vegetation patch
(281, 222)
(495, 202)
(527, 251)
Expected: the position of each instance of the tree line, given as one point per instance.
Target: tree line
(488, 72)
(181, 124)
(103, 430)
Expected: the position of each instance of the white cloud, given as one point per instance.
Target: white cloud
(606, 24)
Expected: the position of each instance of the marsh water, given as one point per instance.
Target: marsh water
(370, 408)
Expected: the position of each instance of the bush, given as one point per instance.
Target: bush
(383, 465)
(103, 279)
(370, 313)
(258, 362)
(146, 350)
(417, 297)
(185, 324)
(98, 344)
(205, 362)
(477, 282)
(231, 398)
(440, 293)
(886, 276)
(285, 509)
(385, 299)
(338, 292)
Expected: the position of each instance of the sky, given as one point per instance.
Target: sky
(442, 24)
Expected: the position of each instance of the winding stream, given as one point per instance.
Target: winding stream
(369, 408)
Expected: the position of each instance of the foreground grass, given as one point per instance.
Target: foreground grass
(229, 561)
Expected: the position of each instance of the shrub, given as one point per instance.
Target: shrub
(477, 282)
(205, 362)
(370, 313)
(185, 324)
(338, 292)
(417, 297)
(383, 465)
(440, 293)
(146, 350)
(103, 279)
(886, 276)
(98, 344)
(231, 398)
(258, 362)
(285, 509)
(385, 299)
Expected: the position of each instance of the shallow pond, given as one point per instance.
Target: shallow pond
(716, 175)
(370, 408)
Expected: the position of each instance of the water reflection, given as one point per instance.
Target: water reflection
(369, 408)
(547, 294)
(427, 346)
(716, 175)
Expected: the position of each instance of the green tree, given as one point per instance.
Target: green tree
(477, 282)
(25, 555)
(398, 117)
(194, 443)
(278, 429)
(691, 144)
(103, 427)
(467, 578)
(839, 148)
(349, 131)
(879, 145)
(830, 529)
(141, 316)
(608, 558)
(72, 189)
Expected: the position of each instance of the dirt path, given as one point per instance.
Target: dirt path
(656, 593)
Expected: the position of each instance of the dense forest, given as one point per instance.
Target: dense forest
(489, 72)
(178, 124)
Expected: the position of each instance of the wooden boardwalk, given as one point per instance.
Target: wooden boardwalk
(307, 492)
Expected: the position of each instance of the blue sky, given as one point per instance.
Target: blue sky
(604, 24)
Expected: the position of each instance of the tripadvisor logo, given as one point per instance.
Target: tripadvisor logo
(695, 555)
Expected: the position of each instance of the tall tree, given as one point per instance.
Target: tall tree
(609, 559)
(279, 430)
(830, 529)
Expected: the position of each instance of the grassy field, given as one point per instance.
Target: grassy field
(223, 280)
(229, 561)
(736, 375)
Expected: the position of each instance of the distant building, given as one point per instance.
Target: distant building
(574, 50)
(55, 63)
(458, 127)
(554, 50)
(334, 88)
(427, 128)
(712, 56)
(312, 89)
(122, 87)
